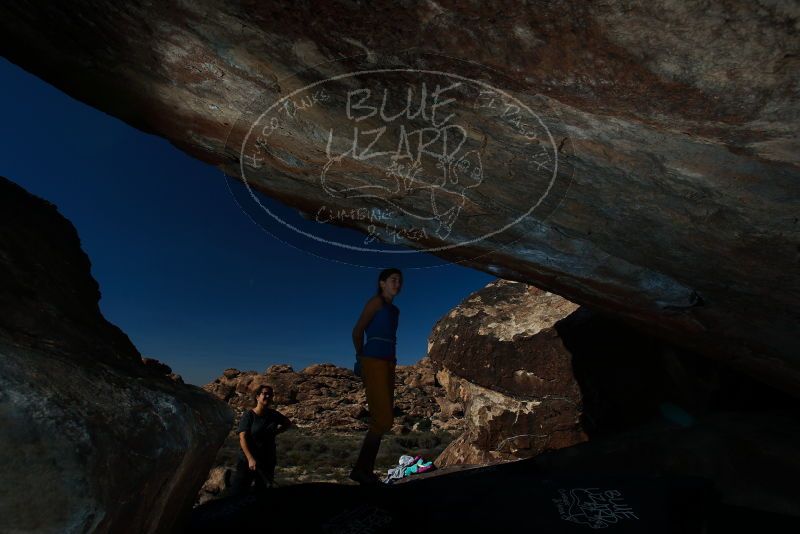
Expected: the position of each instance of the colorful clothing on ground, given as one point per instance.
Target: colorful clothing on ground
(406, 467)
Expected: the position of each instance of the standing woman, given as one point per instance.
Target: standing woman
(377, 361)
(257, 430)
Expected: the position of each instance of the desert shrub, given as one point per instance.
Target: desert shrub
(425, 425)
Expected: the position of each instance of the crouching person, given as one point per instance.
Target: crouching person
(257, 430)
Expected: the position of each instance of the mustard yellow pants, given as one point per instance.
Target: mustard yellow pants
(378, 377)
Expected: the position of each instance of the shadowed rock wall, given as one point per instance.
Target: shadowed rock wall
(93, 439)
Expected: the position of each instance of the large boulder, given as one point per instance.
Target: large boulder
(503, 337)
(499, 355)
(94, 439)
(535, 374)
(673, 125)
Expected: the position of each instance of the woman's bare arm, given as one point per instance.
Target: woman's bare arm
(251, 461)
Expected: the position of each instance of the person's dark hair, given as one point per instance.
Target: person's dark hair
(259, 389)
(385, 274)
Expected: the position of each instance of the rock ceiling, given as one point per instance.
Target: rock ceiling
(639, 158)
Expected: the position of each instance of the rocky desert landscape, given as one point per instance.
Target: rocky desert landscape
(629, 174)
(328, 408)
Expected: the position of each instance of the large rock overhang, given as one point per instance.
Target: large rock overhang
(675, 124)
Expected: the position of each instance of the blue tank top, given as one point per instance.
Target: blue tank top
(381, 333)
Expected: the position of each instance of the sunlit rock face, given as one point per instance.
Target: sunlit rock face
(324, 397)
(499, 354)
(94, 438)
(667, 129)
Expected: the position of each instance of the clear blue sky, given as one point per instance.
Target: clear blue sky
(182, 270)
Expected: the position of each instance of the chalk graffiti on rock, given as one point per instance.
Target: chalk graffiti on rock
(593, 507)
(365, 519)
(424, 157)
(408, 156)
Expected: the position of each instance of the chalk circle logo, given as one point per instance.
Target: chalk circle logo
(418, 160)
